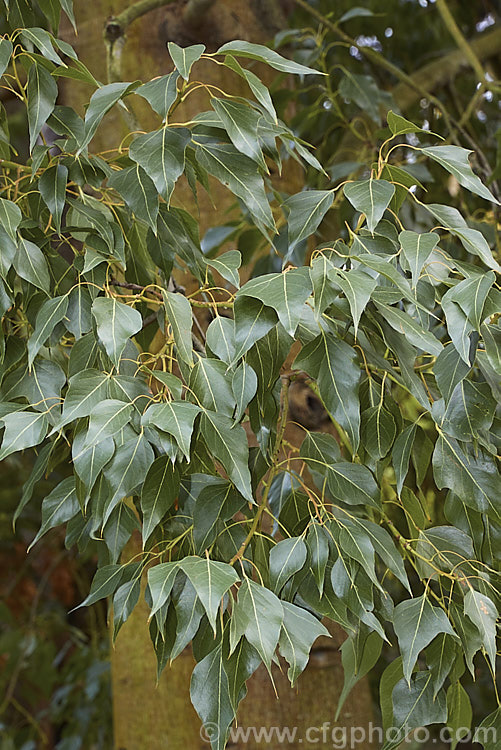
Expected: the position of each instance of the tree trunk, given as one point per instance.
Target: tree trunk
(147, 715)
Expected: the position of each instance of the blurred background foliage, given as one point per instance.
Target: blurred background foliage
(54, 672)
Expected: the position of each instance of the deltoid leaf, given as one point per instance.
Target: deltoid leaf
(473, 241)
(176, 418)
(41, 39)
(23, 429)
(160, 93)
(299, 631)
(286, 558)
(106, 419)
(5, 54)
(127, 470)
(239, 48)
(385, 548)
(162, 156)
(211, 697)
(241, 123)
(228, 443)
(116, 323)
(100, 103)
(65, 121)
(334, 364)
(42, 93)
(488, 732)
(257, 87)
(355, 544)
(124, 601)
(49, 315)
(317, 541)
(379, 430)
(357, 287)
(240, 174)
(359, 654)
(305, 212)
(371, 197)
(160, 490)
(253, 320)
(459, 713)
(401, 454)
(471, 295)
(416, 249)
(492, 340)
(118, 530)
(39, 469)
(416, 624)
(470, 410)
(455, 160)
(31, 265)
(483, 613)
(244, 387)
(138, 192)
(363, 91)
(184, 57)
(440, 657)
(471, 475)
(227, 266)
(58, 507)
(414, 705)
(400, 126)
(211, 581)
(160, 582)
(10, 217)
(215, 503)
(189, 612)
(210, 384)
(403, 323)
(458, 328)
(52, 186)
(449, 371)
(78, 318)
(179, 316)
(86, 389)
(105, 582)
(258, 615)
(285, 292)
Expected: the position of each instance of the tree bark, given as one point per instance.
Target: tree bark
(147, 715)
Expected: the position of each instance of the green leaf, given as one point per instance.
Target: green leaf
(138, 192)
(31, 265)
(106, 419)
(470, 411)
(89, 462)
(391, 675)
(211, 697)
(473, 241)
(285, 292)
(160, 93)
(10, 217)
(178, 312)
(459, 713)
(471, 476)
(5, 54)
(211, 581)
(416, 249)
(23, 429)
(317, 541)
(86, 389)
(334, 364)
(257, 87)
(416, 624)
(160, 582)
(189, 612)
(220, 338)
(487, 733)
(241, 123)
(127, 471)
(238, 48)
(359, 654)
(357, 287)
(449, 371)
(305, 212)
(162, 156)
(100, 103)
(105, 582)
(286, 558)
(471, 294)
(440, 657)
(240, 174)
(483, 614)
(52, 186)
(160, 490)
(228, 443)
(455, 160)
(378, 431)
(41, 39)
(413, 332)
(39, 469)
(385, 548)
(49, 315)
(355, 13)
(216, 502)
(363, 91)
(400, 126)
(58, 507)
(401, 454)
(227, 266)
(116, 323)
(415, 706)
(176, 418)
(244, 387)
(253, 320)
(184, 57)
(371, 197)
(211, 386)
(299, 631)
(258, 615)
(42, 93)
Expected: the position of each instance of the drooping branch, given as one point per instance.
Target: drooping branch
(117, 25)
